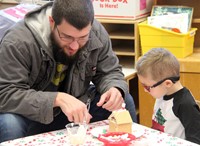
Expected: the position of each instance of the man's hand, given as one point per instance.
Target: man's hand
(111, 100)
(75, 110)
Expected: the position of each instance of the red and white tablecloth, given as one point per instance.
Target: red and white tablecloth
(146, 137)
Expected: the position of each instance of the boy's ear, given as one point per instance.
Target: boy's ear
(168, 83)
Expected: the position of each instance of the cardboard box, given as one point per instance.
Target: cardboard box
(120, 121)
(122, 9)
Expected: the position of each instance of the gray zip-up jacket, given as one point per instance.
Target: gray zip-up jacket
(27, 67)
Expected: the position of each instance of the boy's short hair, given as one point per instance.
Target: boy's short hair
(158, 63)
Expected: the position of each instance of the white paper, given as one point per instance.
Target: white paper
(179, 21)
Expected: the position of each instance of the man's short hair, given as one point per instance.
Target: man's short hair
(78, 13)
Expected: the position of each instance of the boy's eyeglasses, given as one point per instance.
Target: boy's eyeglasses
(70, 39)
(173, 79)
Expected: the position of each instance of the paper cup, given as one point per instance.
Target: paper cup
(76, 133)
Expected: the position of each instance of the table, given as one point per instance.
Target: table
(148, 137)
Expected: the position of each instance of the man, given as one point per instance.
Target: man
(48, 62)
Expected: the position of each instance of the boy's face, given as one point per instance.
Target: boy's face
(158, 91)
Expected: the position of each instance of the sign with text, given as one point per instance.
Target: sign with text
(126, 9)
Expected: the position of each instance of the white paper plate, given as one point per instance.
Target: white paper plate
(137, 132)
(99, 130)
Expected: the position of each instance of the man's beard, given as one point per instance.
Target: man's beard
(58, 51)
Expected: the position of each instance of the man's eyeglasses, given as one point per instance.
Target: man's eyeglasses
(173, 79)
(70, 39)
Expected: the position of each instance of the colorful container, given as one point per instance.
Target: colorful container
(181, 45)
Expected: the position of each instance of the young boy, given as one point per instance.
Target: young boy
(175, 110)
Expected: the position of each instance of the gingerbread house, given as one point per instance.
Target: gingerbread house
(120, 121)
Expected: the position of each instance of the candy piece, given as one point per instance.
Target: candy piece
(104, 131)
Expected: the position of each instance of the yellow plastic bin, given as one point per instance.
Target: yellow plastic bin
(181, 45)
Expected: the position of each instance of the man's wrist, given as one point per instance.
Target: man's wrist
(121, 91)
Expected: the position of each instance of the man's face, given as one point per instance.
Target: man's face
(68, 38)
